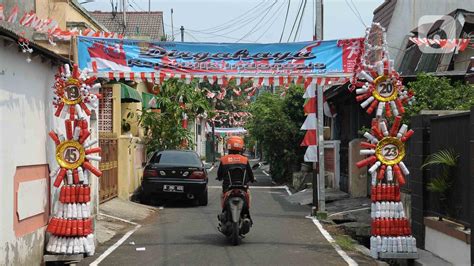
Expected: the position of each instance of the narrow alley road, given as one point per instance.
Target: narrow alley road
(182, 234)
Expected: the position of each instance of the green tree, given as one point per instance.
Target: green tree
(164, 130)
(275, 124)
(439, 93)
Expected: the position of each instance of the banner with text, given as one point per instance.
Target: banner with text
(301, 58)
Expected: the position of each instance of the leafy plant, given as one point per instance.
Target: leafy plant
(164, 130)
(439, 93)
(275, 124)
(442, 183)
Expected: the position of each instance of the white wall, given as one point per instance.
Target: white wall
(24, 125)
(406, 15)
(446, 247)
(26, 117)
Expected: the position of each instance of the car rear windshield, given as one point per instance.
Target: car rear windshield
(176, 158)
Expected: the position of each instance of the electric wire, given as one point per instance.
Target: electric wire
(296, 19)
(234, 21)
(358, 13)
(244, 23)
(192, 36)
(258, 23)
(355, 14)
(275, 18)
(286, 17)
(299, 23)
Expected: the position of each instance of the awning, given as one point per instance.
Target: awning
(149, 101)
(129, 94)
(233, 130)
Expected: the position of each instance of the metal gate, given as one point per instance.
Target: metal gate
(109, 168)
(109, 145)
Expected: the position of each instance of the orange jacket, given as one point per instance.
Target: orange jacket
(234, 160)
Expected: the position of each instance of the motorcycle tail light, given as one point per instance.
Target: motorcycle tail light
(198, 175)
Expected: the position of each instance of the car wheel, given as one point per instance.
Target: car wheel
(203, 199)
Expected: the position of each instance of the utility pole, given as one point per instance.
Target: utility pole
(182, 33)
(319, 193)
(318, 26)
(149, 14)
(172, 27)
(124, 9)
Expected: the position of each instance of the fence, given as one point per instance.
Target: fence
(432, 134)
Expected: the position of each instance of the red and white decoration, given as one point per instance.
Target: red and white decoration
(71, 227)
(310, 123)
(73, 97)
(450, 45)
(380, 89)
(50, 27)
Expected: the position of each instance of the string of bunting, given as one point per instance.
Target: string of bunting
(50, 26)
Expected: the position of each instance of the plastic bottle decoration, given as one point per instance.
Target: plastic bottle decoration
(25, 47)
(378, 88)
(72, 93)
(71, 227)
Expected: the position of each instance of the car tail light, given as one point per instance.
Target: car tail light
(150, 173)
(198, 175)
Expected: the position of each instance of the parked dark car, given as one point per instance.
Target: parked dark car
(174, 174)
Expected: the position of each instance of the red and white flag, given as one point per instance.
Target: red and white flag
(310, 138)
(13, 15)
(311, 154)
(310, 122)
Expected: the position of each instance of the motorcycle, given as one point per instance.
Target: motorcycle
(235, 220)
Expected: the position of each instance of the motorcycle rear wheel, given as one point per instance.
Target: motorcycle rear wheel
(235, 234)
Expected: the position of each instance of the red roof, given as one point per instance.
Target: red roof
(138, 23)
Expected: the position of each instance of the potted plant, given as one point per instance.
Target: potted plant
(442, 183)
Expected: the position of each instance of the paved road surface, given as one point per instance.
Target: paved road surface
(187, 235)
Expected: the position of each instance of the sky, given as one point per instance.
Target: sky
(254, 21)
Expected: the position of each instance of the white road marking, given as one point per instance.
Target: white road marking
(210, 169)
(331, 240)
(119, 242)
(117, 218)
(265, 172)
(348, 211)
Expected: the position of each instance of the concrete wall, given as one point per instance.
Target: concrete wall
(62, 11)
(131, 151)
(357, 176)
(24, 110)
(449, 248)
(406, 15)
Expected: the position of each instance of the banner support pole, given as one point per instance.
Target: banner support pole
(320, 136)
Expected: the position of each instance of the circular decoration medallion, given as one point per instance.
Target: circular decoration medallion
(386, 89)
(70, 154)
(390, 151)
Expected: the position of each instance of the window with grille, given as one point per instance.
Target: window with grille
(105, 110)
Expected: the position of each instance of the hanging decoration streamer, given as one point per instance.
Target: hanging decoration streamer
(51, 27)
(71, 227)
(379, 88)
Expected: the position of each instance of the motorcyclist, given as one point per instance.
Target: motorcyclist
(235, 146)
(235, 167)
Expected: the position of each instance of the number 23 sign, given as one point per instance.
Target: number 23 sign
(390, 150)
